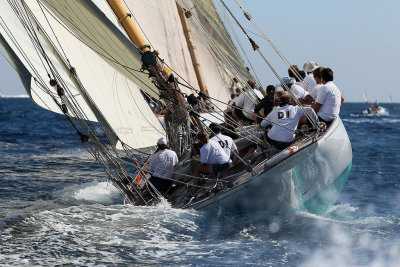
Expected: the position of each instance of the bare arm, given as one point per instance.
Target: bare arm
(303, 120)
(307, 100)
(254, 116)
(316, 106)
(235, 156)
(235, 115)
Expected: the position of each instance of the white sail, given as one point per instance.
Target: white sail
(27, 62)
(118, 98)
(210, 54)
(161, 25)
(94, 24)
(215, 47)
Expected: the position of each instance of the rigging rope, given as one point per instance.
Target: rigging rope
(96, 145)
(256, 48)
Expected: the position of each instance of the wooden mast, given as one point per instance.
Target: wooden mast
(132, 31)
(192, 48)
(128, 25)
(177, 119)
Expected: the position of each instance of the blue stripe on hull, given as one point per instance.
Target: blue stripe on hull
(319, 203)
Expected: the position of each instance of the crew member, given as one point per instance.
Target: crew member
(266, 104)
(310, 80)
(329, 99)
(297, 90)
(244, 105)
(224, 141)
(284, 120)
(161, 166)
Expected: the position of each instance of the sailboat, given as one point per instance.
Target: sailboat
(92, 61)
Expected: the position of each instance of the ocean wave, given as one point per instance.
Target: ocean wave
(15, 96)
(88, 234)
(347, 214)
(364, 119)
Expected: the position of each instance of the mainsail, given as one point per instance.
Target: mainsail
(161, 26)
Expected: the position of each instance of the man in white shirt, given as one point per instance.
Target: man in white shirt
(161, 166)
(244, 105)
(284, 120)
(309, 67)
(329, 99)
(297, 90)
(213, 158)
(226, 142)
(310, 98)
(228, 111)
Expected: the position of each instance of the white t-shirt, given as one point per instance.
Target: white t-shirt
(314, 92)
(309, 79)
(230, 104)
(225, 142)
(330, 97)
(299, 84)
(213, 153)
(162, 163)
(247, 101)
(298, 91)
(287, 116)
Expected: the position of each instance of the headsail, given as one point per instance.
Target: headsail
(119, 99)
(26, 60)
(94, 24)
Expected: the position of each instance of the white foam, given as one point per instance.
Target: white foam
(366, 119)
(99, 192)
(15, 96)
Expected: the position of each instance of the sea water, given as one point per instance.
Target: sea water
(56, 207)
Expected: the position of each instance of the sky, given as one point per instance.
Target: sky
(358, 39)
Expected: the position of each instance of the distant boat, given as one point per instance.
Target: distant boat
(374, 108)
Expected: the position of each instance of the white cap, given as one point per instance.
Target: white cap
(162, 141)
(310, 66)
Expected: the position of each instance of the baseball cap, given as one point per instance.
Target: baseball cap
(162, 141)
(287, 80)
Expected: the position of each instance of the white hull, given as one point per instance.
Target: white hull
(311, 178)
